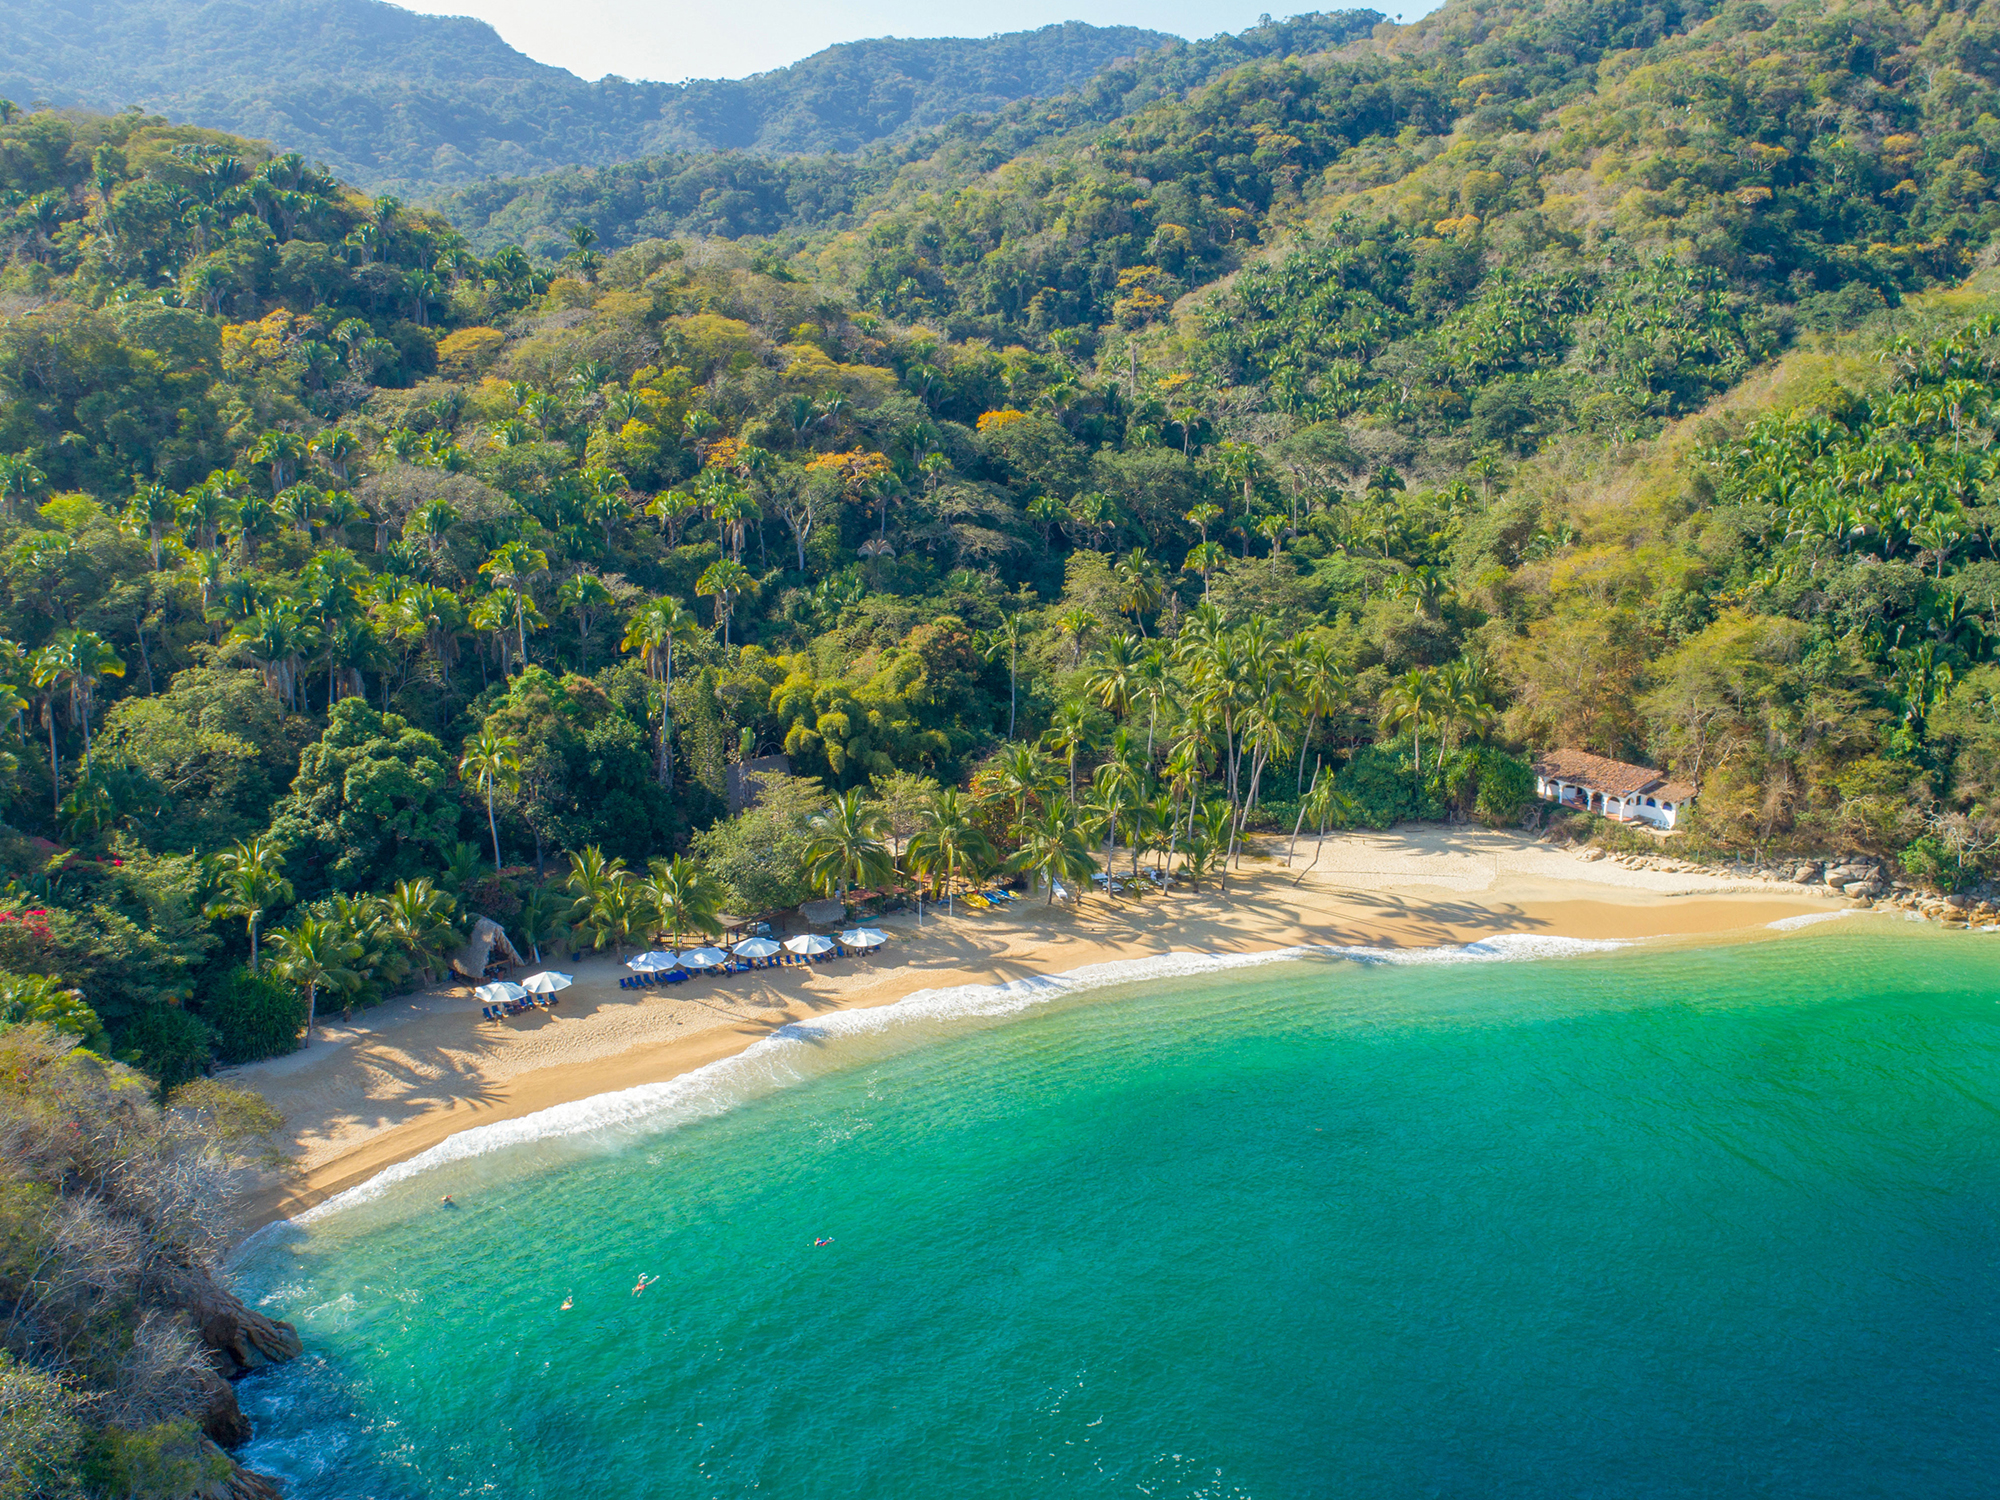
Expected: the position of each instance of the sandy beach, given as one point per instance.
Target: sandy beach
(405, 1075)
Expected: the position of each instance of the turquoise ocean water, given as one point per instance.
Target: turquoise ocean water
(1667, 1221)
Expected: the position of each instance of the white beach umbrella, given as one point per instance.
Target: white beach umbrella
(500, 992)
(863, 937)
(810, 944)
(757, 947)
(548, 983)
(703, 958)
(651, 963)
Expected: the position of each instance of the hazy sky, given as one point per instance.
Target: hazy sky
(676, 39)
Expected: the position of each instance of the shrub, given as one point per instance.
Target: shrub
(255, 1016)
(1931, 860)
(1381, 786)
(166, 1042)
(1506, 785)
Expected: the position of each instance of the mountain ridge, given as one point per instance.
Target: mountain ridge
(393, 100)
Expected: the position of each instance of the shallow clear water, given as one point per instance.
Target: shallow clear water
(1670, 1221)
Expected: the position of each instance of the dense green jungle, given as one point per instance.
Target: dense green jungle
(1222, 447)
(1593, 375)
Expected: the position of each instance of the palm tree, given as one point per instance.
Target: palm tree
(1073, 728)
(1077, 624)
(1053, 848)
(81, 659)
(250, 874)
(491, 759)
(1410, 700)
(949, 841)
(1139, 587)
(684, 897)
(726, 582)
(1114, 674)
(1325, 806)
(1006, 637)
(846, 847)
(539, 918)
(313, 953)
(1115, 799)
(616, 911)
(513, 566)
(419, 917)
(1204, 558)
(1321, 684)
(1018, 775)
(653, 631)
(590, 875)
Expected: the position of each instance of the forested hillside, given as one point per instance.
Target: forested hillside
(1305, 448)
(397, 101)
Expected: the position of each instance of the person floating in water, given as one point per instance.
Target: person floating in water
(566, 1303)
(446, 1201)
(827, 1241)
(644, 1282)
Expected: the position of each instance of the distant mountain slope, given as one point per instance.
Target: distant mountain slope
(733, 193)
(394, 100)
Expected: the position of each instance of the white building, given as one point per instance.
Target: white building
(1593, 783)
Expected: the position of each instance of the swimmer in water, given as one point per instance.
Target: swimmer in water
(644, 1282)
(566, 1303)
(827, 1241)
(446, 1201)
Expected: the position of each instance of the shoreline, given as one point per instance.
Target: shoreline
(416, 1070)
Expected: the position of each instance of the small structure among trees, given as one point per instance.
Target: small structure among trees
(1615, 788)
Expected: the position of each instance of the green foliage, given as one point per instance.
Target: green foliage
(1506, 787)
(161, 1462)
(254, 1016)
(370, 803)
(760, 854)
(170, 1044)
(41, 1436)
(1382, 787)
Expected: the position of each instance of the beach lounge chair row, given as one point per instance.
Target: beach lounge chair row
(515, 1007)
(987, 900)
(738, 966)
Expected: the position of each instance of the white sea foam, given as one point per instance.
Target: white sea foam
(776, 1061)
(1792, 924)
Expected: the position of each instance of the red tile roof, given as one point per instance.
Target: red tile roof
(1614, 778)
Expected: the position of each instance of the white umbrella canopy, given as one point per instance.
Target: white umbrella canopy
(548, 983)
(703, 958)
(809, 944)
(863, 937)
(651, 963)
(757, 947)
(499, 993)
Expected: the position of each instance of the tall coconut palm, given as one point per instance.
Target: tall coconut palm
(514, 565)
(949, 841)
(1113, 679)
(1321, 684)
(1053, 848)
(1005, 639)
(491, 759)
(653, 631)
(1409, 703)
(315, 953)
(726, 582)
(684, 897)
(250, 874)
(1074, 729)
(846, 847)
